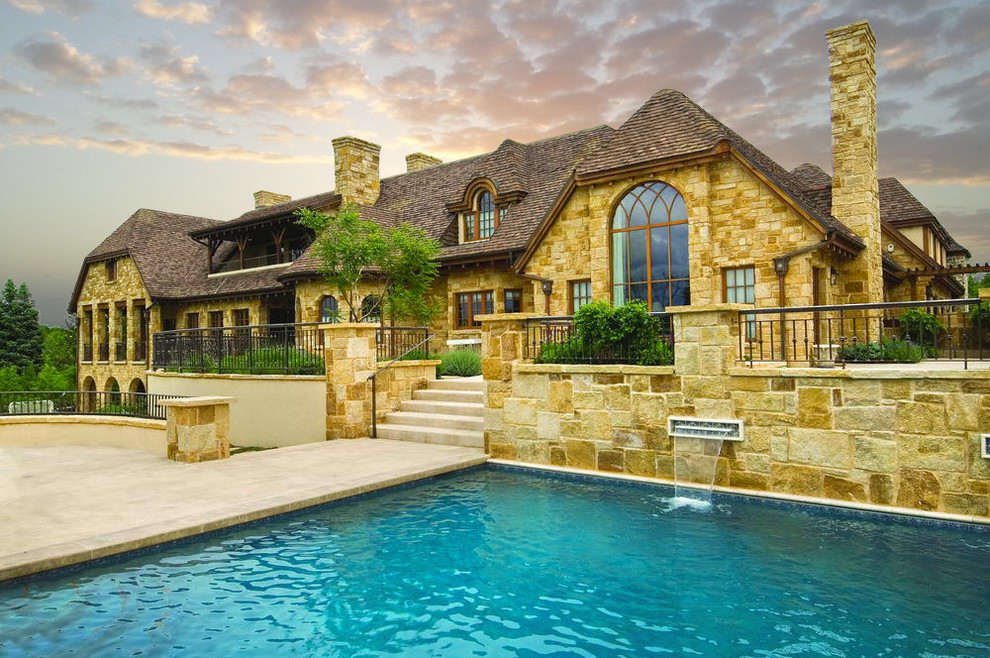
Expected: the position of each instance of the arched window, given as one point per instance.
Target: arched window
(329, 310)
(650, 247)
(482, 219)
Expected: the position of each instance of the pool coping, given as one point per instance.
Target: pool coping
(750, 493)
(56, 556)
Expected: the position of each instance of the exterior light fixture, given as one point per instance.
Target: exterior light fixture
(833, 276)
(547, 286)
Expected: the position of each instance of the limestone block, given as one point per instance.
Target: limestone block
(648, 409)
(594, 399)
(611, 460)
(844, 489)
(548, 425)
(686, 359)
(800, 480)
(534, 452)
(962, 503)
(963, 411)
(558, 455)
(893, 390)
(881, 489)
(530, 386)
(978, 467)
(521, 411)
(929, 452)
(757, 463)
(503, 451)
(664, 383)
(595, 424)
(749, 480)
(820, 448)
(559, 397)
(864, 418)
(875, 455)
(814, 407)
(858, 393)
(772, 402)
(581, 454)
(921, 418)
(954, 482)
(707, 408)
(703, 387)
(918, 489)
(640, 462)
(493, 418)
(617, 397)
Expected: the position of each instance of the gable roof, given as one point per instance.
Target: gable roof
(670, 126)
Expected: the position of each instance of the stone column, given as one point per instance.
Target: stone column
(198, 429)
(349, 351)
(503, 342)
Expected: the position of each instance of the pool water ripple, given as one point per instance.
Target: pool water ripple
(498, 563)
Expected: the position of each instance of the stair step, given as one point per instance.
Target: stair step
(440, 395)
(458, 384)
(445, 421)
(431, 435)
(469, 409)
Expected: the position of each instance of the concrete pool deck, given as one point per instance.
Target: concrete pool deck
(65, 505)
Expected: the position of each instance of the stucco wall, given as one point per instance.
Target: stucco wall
(271, 411)
(102, 431)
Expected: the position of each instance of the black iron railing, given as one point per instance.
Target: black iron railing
(554, 339)
(234, 264)
(112, 403)
(897, 332)
(391, 342)
(103, 352)
(141, 351)
(120, 351)
(266, 349)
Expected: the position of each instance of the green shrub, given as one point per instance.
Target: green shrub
(920, 326)
(415, 355)
(571, 351)
(460, 363)
(657, 354)
(271, 359)
(891, 350)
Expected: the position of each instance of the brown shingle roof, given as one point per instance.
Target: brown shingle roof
(671, 125)
(276, 211)
(539, 169)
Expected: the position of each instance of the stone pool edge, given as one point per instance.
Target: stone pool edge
(749, 493)
(69, 554)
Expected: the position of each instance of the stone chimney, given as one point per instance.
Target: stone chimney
(263, 199)
(855, 185)
(417, 161)
(355, 166)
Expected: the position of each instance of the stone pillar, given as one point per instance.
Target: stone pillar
(503, 342)
(198, 429)
(417, 161)
(855, 185)
(706, 342)
(355, 164)
(349, 350)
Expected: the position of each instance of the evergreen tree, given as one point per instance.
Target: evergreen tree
(21, 341)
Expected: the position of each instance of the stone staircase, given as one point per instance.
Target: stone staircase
(448, 412)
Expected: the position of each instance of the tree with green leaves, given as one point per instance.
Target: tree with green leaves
(397, 264)
(976, 283)
(21, 341)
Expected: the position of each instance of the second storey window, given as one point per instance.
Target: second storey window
(739, 285)
(481, 221)
(112, 269)
(472, 304)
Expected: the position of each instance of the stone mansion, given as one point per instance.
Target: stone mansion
(673, 208)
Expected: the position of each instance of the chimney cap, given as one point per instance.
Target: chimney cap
(264, 198)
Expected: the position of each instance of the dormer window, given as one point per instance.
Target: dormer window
(482, 219)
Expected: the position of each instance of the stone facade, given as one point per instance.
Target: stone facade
(417, 161)
(735, 219)
(197, 429)
(855, 183)
(355, 164)
(264, 198)
(899, 438)
(350, 360)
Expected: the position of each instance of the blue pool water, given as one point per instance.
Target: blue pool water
(491, 562)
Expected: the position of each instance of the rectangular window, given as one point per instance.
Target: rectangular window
(471, 304)
(580, 294)
(216, 319)
(739, 285)
(513, 301)
(470, 227)
(192, 320)
(112, 269)
(241, 317)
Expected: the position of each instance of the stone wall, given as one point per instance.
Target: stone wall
(905, 438)
(84, 430)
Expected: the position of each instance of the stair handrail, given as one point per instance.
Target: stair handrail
(373, 380)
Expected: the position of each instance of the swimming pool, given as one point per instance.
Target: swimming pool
(495, 562)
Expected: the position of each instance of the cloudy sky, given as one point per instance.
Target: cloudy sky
(107, 106)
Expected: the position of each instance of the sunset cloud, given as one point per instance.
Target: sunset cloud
(12, 117)
(67, 7)
(167, 68)
(51, 54)
(191, 13)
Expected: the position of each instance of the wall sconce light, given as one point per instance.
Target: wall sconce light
(547, 286)
(833, 276)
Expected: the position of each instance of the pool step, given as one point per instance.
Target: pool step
(449, 412)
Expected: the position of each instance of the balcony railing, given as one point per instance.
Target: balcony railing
(234, 264)
(87, 353)
(120, 351)
(865, 333)
(267, 349)
(554, 339)
(141, 351)
(103, 352)
(391, 342)
(113, 403)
